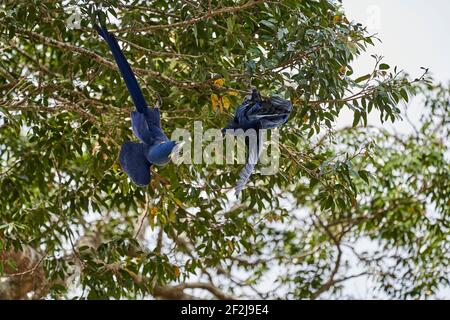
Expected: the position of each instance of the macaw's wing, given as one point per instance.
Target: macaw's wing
(148, 134)
(241, 120)
(153, 117)
(125, 69)
(270, 121)
(254, 112)
(134, 163)
(238, 118)
(140, 128)
(253, 108)
(272, 113)
(254, 151)
(249, 105)
(281, 106)
(157, 135)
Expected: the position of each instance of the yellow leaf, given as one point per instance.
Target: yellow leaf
(295, 100)
(154, 183)
(233, 93)
(95, 149)
(230, 245)
(152, 215)
(172, 216)
(178, 202)
(215, 101)
(226, 102)
(219, 82)
(337, 19)
(172, 37)
(131, 273)
(176, 271)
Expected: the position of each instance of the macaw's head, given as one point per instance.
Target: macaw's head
(162, 153)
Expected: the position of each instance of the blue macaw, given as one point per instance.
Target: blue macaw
(155, 148)
(257, 113)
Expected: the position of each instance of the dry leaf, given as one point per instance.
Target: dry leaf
(230, 245)
(295, 100)
(226, 103)
(178, 202)
(219, 82)
(215, 101)
(176, 271)
(337, 19)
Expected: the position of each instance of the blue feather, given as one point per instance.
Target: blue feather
(134, 163)
(155, 148)
(127, 74)
(254, 152)
(257, 113)
(140, 128)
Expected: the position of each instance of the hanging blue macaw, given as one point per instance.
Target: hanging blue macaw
(257, 113)
(155, 148)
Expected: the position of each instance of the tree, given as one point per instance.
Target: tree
(72, 223)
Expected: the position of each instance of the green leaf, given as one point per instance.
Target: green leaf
(268, 24)
(404, 95)
(364, 175)
(356, 118)
(363, 78)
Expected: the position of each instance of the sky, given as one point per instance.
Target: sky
(414, 34)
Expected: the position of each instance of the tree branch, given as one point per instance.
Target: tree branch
(177, 292)
(208, 15)
(96, 57)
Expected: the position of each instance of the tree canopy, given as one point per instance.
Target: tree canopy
(73, 225)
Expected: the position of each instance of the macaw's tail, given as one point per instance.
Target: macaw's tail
(125, 69)
(134, 163)
(254, 152)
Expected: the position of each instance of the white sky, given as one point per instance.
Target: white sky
(414, 34)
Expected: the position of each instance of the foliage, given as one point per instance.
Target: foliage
(65, 113)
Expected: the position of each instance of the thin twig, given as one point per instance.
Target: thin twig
(143, 217)
(206, 16)
(32, 270)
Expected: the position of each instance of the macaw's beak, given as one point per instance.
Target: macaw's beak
(175, 155)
